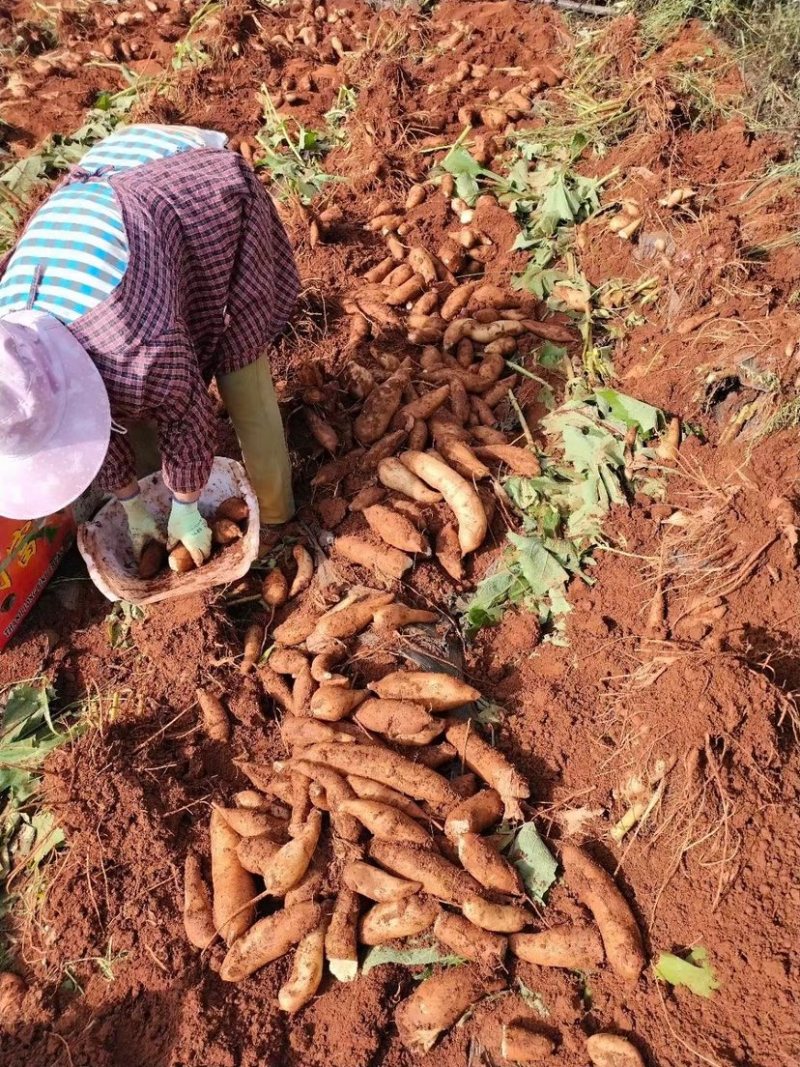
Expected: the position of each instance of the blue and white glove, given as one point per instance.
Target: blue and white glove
(188, 528)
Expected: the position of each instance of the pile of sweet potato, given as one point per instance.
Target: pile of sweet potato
(377, 827)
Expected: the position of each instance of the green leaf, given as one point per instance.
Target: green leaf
(534, 861)
(551, 356)
(694, 972)
(27, 708)
(407, 957)
(629, 411)
(540, 568)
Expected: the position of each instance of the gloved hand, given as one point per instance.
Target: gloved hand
(188, 528)
(141, 524)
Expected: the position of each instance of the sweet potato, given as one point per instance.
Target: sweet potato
(337, 792)
(365, 498)
(234, 508)
(393, 717)
(395, 529)
(287, 661)
(247, 822)
(341, 940)
(458, 493)
(424, 406)
(436, 755)
(488, 435)
(346, 618)
(378, 409)
(253, 800)
(395, 475)
(448, 551)
(457, 300)
(225, 532)
(461, 457)
(337, 469)
(519, 460)
(371, 790)
(550, 331)
(310, 886)
(439, 1002)
(499, 390)
(422, 263)
(256, 853)
(233, 887)
(380, 271)
(153, 555)
(291, 861)
(298, 732)
(435, 690)
(475, 814)
(396, 616)
(275, 588)
(481, 411)
(375, 884)
(198, 918)
(302, 691)
(386, 561)
(487, 866)
(275, 687)
(216, 724)
(300, 803)
(490, 765)
(598, 891)
(488, 295)
(322, 667)
(415, 196)
(297, 626)
(520, 1044)
(501, 918)
(390, 769)
(393, 919)
(386, 823)
(385, 446)
(611, 1050)
(333, 702)
(253, 643)
(268, 940)
(421, 739)
(439, 877)
(304, 572)
(308, 967)
(399, 273)
(409, 290)
(180, 560)
(577, 948)
(465, 939)
(359, 332)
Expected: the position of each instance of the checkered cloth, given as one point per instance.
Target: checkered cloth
(211, 280)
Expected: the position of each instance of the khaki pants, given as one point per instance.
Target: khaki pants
(249, 397)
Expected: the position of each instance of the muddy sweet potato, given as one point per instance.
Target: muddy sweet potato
(500, 918)
(233, 508)
(395, 529)
(518, 460)
(379, 408)
(216, 724)
(611, 1050)
(369, 789)
(308, 967)
(434, 690)
(576, 947)
(321, 430)
(393, 919)
(225, 532)
(383, 560)
(198, 917)
(395, 475)
(439, 1002)
(470, 942)
(268, 940)
(396, 616)
(439, 877)
(386, 823)
(520, 1044)
(256, 853)
(490, 765)
(475, 814)
(180, 560)
(341, 940)
(304, 572)
(275, 588)
(598, 891)
(233, 887)
(151, 560)
(457, 492)
(248, 822)
(291, 861)
(375, 884)
(253, 643)
(393, 718)
(347, 618)
(334, 702)
(487, 866)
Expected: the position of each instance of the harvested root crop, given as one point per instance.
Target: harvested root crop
(611, 1050)
(394, 919)
(256, 853)
(291, 861)
(470, 942)
(347, 618)
(394, 718)
(395, 529)
(275, 588)
(152, 559)
(225, 532)
(369, 789)
(458, 493)
(386, 823)
(198, 918)
(216, 724)
(619, 930)
(577, 948)
(521, 1044)
(341, 940)
(439, 877)
(268, 940)
(253, 642)
(491, 765)
(334, 702)
(439, 1002)
(233, 508)
(375, 884)
(308, 967)
(487, 866)
(518, 460)
(501, 918)
(396, 616)
(233, 887)
(378, 409)
(395, 475)
(386, 561)
(475, 814)
(437, 691)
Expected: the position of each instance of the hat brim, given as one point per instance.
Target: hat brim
(34, 486)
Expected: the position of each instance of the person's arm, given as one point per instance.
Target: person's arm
(118, 476)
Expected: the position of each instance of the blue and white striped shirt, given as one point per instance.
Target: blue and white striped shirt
(76, 240)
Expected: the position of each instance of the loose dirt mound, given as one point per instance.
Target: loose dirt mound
(699, 715)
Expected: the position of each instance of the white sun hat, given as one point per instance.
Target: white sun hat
(55, 418)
